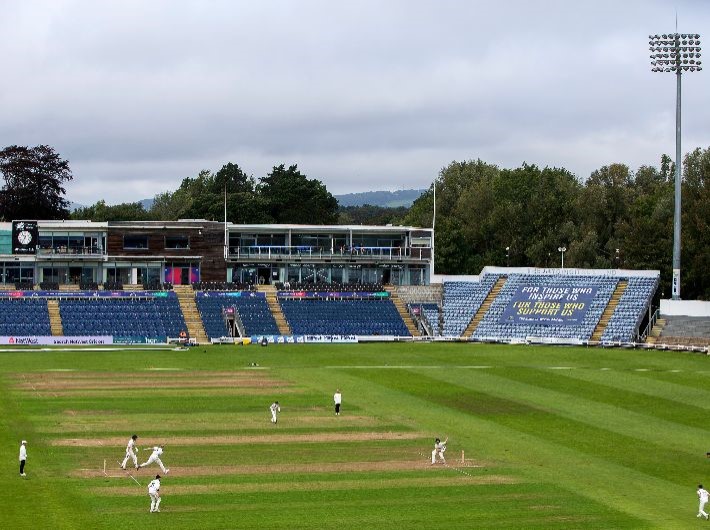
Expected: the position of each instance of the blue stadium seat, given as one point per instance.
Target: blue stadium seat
(153, 318)
(252, 307)
(343, 317)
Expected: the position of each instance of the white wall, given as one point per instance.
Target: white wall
(688, 308)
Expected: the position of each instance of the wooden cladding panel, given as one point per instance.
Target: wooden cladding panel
(207, 242)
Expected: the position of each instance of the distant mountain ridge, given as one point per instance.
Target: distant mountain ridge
(391, 199)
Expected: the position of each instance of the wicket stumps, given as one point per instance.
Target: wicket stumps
(463, 458)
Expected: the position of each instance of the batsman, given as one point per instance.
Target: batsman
(439, 450)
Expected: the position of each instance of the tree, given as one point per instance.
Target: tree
(291, 197)
(34, 183)
(102, 212)
(368, 214)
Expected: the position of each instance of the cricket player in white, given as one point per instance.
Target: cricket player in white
(155, 457)
(439, 450)
(274, 408)
(703, 498)
(131, 452)
(23, 457)
(338, 400)
(154, 493)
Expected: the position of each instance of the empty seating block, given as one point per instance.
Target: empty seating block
(633, 304)
(343, 317)
(154, 318)
(461, 302)
(253, 311)
(491, 327)
(24, 316)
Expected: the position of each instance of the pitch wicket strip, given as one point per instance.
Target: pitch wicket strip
(450, 467)
(127, 473)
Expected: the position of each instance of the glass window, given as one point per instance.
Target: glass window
(177, 242)
(135, 241)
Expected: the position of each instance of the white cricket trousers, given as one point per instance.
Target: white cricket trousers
(273, 417)
(433, 456)
(154, 500)
(701, 509)
(156, 459)
(131, 456)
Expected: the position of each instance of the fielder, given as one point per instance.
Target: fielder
(155, 457)
(154, 494)
(23, 457)
(439, 450)
(274, 408)
(338, 400)
(131, 452)
(703, 498)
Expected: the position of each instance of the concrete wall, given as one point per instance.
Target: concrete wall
(689, 308)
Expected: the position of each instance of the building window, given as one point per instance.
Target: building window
(177, 242)
(135, 241)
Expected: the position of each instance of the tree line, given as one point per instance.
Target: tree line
(486, 215)
(617, 218)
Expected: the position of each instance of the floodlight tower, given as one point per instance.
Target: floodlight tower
(678, 53)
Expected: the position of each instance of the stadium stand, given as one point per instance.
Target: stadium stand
(492, 328)
(629, 313)
(253, 311)
(153, 318)
(311, 316)
(461, 302)
(24, 316)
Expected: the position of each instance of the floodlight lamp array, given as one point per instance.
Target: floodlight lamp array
(675, 52)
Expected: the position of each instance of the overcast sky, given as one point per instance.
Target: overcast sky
(138, 95)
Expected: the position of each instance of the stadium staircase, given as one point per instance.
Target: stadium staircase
(55, 319)
(609, 310)
(656, 331)
(402, 310)
(485, 306)
(188, 306)
(275, 308)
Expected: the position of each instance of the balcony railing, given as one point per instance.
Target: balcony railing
(72, 251)
(313, 252)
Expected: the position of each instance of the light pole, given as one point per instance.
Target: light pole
(678, 53)
(507, 256)
(562, 251)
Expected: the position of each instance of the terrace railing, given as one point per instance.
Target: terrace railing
(313, 252)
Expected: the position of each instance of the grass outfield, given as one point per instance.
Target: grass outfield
(554, 437)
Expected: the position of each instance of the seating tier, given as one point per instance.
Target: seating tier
(343, 317)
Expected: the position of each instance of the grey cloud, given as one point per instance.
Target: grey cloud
(359, 94)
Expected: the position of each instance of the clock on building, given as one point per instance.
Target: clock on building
(24, 237)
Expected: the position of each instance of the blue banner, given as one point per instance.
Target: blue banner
(88, 294)
(333, 294)
(230, 294)
(548, 305)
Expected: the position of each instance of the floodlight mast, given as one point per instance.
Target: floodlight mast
(676, 52)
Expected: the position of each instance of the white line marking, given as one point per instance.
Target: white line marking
(641, 370)
(165, 369)
(561, 367)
